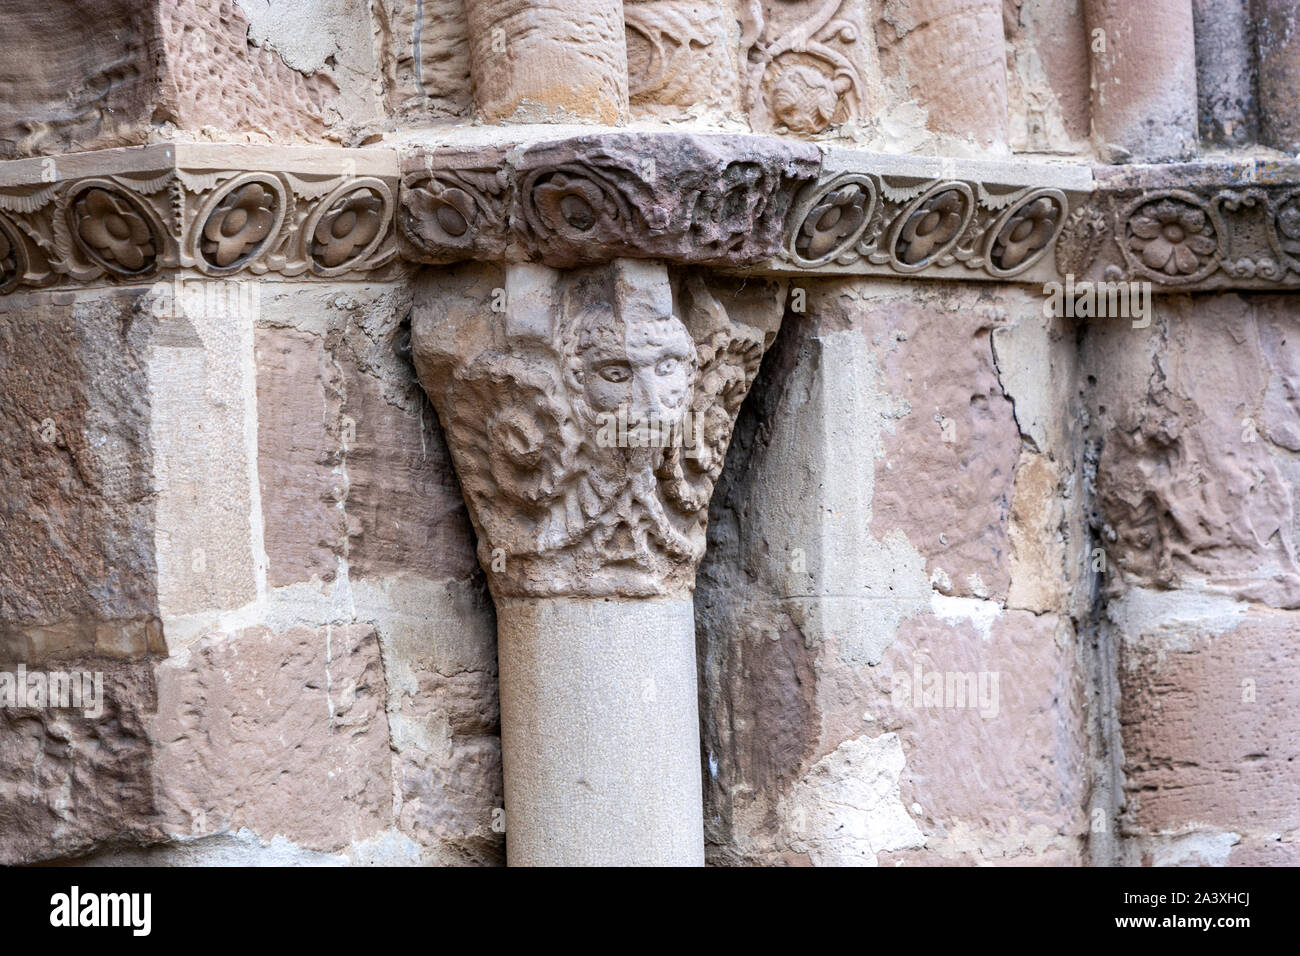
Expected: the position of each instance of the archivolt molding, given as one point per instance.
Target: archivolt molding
(127, 215)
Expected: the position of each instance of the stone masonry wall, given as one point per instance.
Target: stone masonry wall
(983, 585)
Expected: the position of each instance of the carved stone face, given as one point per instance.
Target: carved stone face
(644, 369)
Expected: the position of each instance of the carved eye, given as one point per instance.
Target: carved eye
(667, 366)
(616, 373)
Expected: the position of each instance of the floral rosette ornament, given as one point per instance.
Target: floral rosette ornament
(113, 231)
(932, 226)
(1026, 233)
(239, 224)
(442, 215)
(1171, 237)
(347, 228)
(568, 204)
(836, 219)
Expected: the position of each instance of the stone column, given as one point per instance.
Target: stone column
(1143, 79)
(952, 55)
(546, 60)
(1225, 71)
(1278, 46)
(588, 420)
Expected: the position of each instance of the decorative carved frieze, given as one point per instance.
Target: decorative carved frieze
(129, 214)
(720, 200)
(870, 214)
(1191, 226)
(741, 204)
(588, 417)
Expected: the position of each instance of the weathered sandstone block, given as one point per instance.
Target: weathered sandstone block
(839, 562)
(112, 72)
(296, 719)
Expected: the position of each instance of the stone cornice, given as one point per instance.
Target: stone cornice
(129, 214)
(743, 204)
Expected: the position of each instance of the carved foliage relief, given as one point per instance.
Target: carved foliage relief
(708, 199)
(679, 54)
(566, 500)
(804, 63)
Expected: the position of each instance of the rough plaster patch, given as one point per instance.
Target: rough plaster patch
(244, 848)
(1200, 848)
(954, 610)
(303, 32)
(962, 841)
(1171, 619)
(848, 808)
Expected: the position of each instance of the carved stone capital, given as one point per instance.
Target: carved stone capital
(588, 415)
(128, 215)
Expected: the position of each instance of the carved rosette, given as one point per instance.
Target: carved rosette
(161, 213)
(238, 222)
(114, 228)
(1169, 237)
(1024, 233)
(832, 219)
(458, 210)
(1192, 227)
(566, 501)
(861, 222)
(13, 256)
(347, 227)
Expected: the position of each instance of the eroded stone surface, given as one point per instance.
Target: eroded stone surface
(1195, 479)
(1208, 742)
(283, 733)
(1144, 103)
(77, 558)
(110, 73)
(822, 588)
(548, 60)
(72, 780)
(950, 55)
